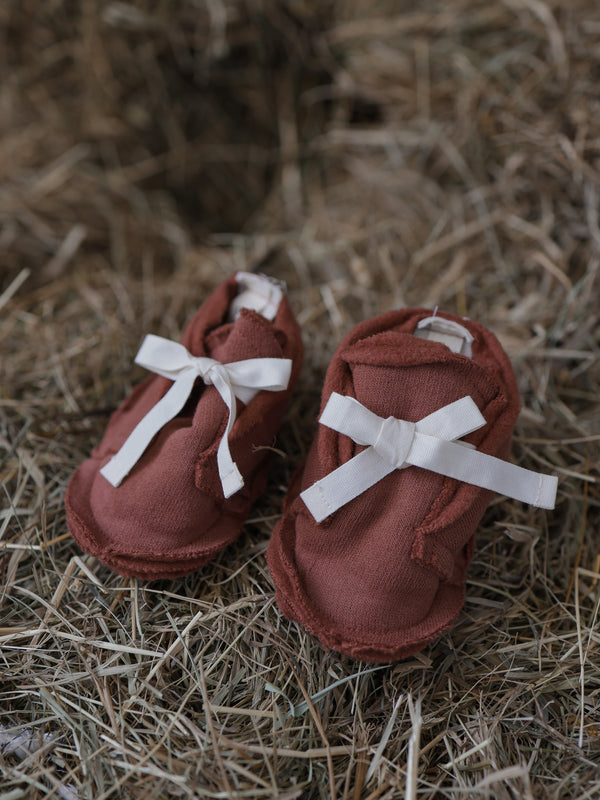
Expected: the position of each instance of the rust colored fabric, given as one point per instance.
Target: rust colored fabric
(169, 516)
(385, 574)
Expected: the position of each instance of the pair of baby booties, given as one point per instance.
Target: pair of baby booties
(378, 525)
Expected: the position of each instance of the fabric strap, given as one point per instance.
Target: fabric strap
(430, 444)
(239, 379)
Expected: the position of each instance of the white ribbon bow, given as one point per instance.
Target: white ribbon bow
(429, 443)
(241, 379)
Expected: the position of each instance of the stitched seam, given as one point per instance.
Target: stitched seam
(324, 499)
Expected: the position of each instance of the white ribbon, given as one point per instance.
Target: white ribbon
(241, 379)
(429, 444)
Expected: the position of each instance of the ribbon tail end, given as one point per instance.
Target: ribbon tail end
(113, 472)
(232, 482)
(314, 500)
(546, 497)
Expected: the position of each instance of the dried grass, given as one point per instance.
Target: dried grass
(371, 154)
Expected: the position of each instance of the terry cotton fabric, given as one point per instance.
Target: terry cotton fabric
(169, 515)
(385, 574)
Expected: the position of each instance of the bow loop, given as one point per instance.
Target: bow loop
(431, 443)
(239, 379)
(163, 356)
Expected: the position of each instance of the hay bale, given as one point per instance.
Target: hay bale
(372, 155)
